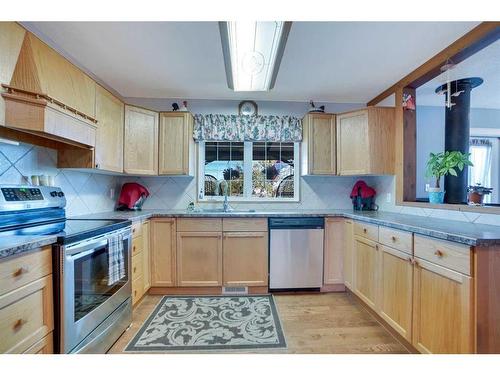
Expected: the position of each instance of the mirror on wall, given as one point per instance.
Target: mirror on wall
(459, 110)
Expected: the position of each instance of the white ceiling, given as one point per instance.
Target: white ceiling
(326, 61)
(484, 64)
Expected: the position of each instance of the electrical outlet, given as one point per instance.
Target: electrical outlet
(388, 197)
(427, 186)
(111, 193)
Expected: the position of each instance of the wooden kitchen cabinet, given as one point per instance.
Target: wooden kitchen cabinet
(318, 144)
(365, 270)
(245, 259)
(11, 40)
(443, 310)
(146, 257)
(365, 141)
(333, 271)
(140, 141)
(110, 129)
(396, 289)
(199, 258)
(176, 144)
(163, 252)
(348, 254)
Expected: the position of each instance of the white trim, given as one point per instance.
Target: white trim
(484, 132)
(247, 176)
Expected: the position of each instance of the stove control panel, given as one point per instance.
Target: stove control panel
(26, 197)
(22, 194)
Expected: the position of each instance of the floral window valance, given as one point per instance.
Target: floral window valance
(247, 128)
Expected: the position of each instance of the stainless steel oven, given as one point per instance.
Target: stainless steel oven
(94, 308)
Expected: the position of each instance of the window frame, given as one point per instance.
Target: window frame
(247, 177)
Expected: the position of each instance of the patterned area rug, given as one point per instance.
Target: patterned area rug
(210, 323)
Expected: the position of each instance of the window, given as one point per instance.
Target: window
(250, 170)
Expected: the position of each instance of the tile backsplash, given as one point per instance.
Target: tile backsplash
(93, 192)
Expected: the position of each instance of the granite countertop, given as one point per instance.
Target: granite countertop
(13, 245)
(452, 230)
(457, 231)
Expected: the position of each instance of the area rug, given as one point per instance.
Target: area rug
(210, 323)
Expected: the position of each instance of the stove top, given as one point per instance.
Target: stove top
(69, 230)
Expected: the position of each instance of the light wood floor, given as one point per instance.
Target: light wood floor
(312, 323)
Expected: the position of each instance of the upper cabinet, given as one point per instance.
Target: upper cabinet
(11, 40)
(140, 152)
(109, 140)
(40, 69)
(318, 144)
(365, 141)
(176, 145)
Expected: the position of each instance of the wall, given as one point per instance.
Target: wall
(85, 192)
(205, 106)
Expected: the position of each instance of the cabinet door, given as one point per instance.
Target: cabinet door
(245, 259)
(146, 274)
(442, 310)
(365, 270)
(348, 254)
(175, 138)
(109, 137)
(163, 252)
(199, 258)
(141, 141)
(396, 289)
(353, 143)
(334, 251)
(322, 151)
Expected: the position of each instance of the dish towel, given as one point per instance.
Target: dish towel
(116, 259)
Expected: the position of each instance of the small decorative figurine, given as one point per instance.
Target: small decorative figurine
(184, 106)
(175, 107)
(315, 109)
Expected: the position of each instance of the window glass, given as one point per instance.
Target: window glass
(224, 168)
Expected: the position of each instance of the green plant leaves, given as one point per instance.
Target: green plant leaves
(446, 163)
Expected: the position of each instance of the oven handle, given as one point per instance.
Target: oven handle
(86, 248)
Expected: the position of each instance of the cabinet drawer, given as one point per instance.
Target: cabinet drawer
(26, 316)
(137, 289)
(137, 245)
(199, 225)
(44, 346)
(24, 269)
(244, 225)
(396, 239)
(137, 266)
(136, 229)
(444, 253)
(365, 230)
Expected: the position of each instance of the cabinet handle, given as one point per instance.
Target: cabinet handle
(376, 247)
(393, 238)
(19, 323)
(135, 292)
(135, 269)
(410, 260)
(439, 253)
(19, 271)
(133, 249)
(365, 230)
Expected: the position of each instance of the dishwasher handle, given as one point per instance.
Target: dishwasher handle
(297, 223)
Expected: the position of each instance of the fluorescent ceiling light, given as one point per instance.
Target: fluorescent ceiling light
(252, 53)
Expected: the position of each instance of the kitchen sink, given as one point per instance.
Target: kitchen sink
(221, 211)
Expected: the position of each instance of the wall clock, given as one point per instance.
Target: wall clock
(247, 108)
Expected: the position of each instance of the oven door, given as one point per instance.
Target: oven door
(88, 296)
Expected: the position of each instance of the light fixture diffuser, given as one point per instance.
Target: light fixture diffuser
(252, 53)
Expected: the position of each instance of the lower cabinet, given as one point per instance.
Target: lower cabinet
(348, 254)
(140, 260)
(163, 252)
(396, 289)
(245, 259)
(44, 346)
(146, 256)
(443, 310)
(365, 270)
(333, 270)
(199, 258)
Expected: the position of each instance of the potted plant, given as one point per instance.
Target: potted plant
(442, 164)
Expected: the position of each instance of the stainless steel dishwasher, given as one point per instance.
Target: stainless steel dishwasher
(296, 253)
